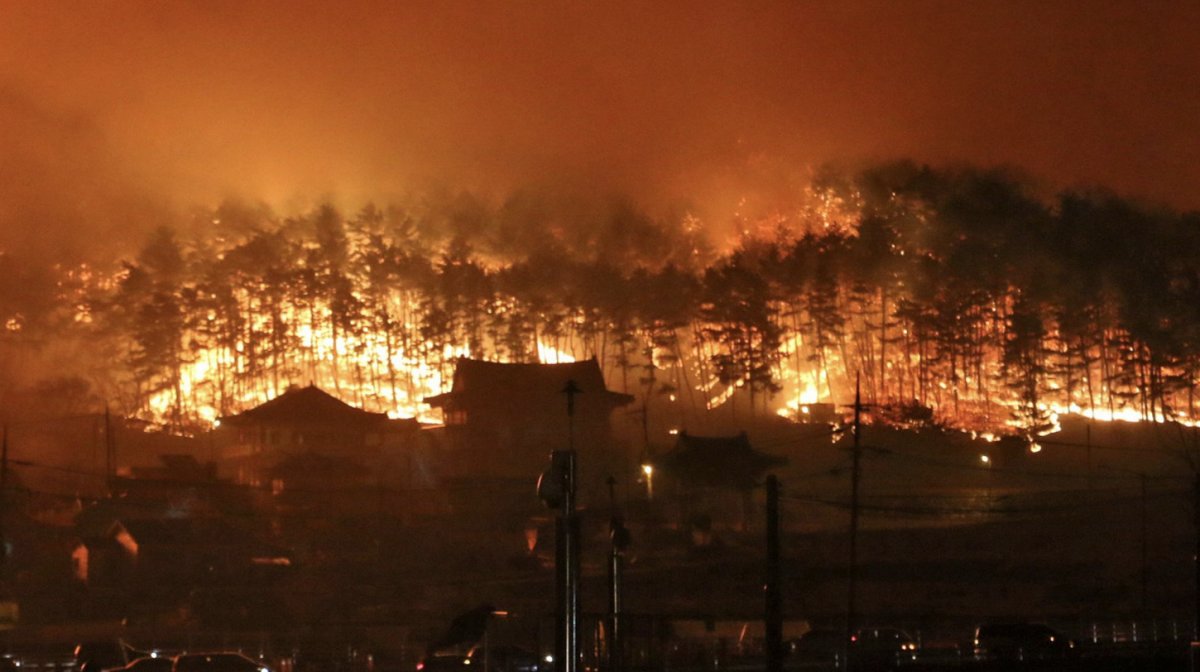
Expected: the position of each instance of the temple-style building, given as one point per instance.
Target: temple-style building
(503, 420)
(714, 476)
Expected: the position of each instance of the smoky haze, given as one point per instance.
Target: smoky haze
(116, 116)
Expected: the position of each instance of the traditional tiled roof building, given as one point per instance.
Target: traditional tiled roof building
(714, 478)
(306, 419)
(502, 420)
(306, 425)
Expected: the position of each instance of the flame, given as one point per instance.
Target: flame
(200, 380)
(353, 366)
(550, 355)
(798, 406)
(1116, 414)
(799, 389)
(393, 369)
(721, 397)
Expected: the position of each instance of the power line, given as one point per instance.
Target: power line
(937, 511)
(1010, 471)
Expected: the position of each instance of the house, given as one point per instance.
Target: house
(315, 454)
(307, 420)
(148, 564)
(503, 420)
(167, 525)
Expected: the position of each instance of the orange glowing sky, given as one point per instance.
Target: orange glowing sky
(114, 112)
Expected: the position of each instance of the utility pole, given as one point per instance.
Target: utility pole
(1088, 429)
(1196, 558)
(619, 536)
(773, 612)
(110, 452)
(851, 616)
(4, 510)
(570, 520)
(650, 382)
(1145, 569)
(1143, 480)
(571, 389)
(557, 488)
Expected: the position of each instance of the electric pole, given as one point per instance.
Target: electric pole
(557, 488)
(773, 612)
(1145, 556)
(4, 510)
(1196, 557)
(619, 537)
(110, 452)
(854, 477)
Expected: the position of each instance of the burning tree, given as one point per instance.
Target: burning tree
(953, 289)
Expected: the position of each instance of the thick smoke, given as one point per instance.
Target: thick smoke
(63, 196)
(114, 111)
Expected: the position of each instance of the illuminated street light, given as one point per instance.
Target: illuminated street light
(986, 459)
(648, 470)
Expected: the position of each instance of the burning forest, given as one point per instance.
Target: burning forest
(297, 297)
(958, 296)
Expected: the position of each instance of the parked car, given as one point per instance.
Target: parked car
(504, 658)
(145, 664)
(98, 655)
(1021, 641)
(493, 658)
(881, 648)
(216, 662)
(819, 648)
(444, 661)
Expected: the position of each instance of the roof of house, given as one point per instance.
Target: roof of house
(478, 379)
(310, 406)
(722, 461)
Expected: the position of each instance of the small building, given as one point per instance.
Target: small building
(304, 419)
(713, 478)
(502, 420)
(317, 454)
(147, 564)
(308, 420)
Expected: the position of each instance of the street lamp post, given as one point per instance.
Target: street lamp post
(1142, 481)
(557, 487)
(851, 579)
(648, 472)
(987, 461)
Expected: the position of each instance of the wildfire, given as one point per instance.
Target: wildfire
(780, 325)
(370, 370)
(355, 367)
(800, 388)
(550, 355)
